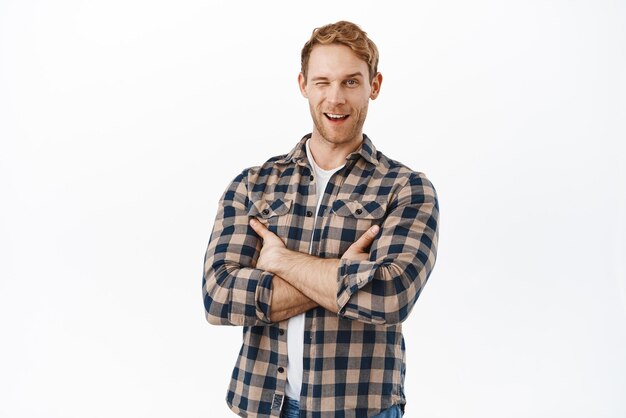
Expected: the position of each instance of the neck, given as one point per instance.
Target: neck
(329, 155)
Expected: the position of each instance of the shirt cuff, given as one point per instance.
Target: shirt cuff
(263, 297)
(353, 275)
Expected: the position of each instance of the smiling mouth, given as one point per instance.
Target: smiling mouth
(335, 117)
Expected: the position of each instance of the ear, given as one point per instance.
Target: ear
(302, 85)
(377, 81)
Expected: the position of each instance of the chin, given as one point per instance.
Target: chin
(334, 137)
(339, 137)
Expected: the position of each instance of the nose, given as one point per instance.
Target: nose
(335, 94)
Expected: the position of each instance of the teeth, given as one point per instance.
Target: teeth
(332, 116)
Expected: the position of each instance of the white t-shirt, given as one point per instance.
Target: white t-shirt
(295, 326)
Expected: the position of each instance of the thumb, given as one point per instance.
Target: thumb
(367, 238)
(258, 227)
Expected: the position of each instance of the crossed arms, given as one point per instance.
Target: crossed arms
(250, 278)
(301, 281)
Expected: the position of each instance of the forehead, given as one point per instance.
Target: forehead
(335, 61)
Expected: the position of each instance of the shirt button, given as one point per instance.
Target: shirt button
(359, 211)
(281, 331)
(280, 370)
(311, 178)
(309, 213)
(266, 211)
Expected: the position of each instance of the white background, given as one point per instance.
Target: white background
(122, 121)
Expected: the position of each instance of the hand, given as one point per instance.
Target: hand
(274, 248)
(271, 249)
(359, 251)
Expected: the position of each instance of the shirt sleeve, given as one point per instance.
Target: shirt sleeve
(384, 289)
(234, 292)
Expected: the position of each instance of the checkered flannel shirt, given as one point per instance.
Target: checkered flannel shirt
(354, 361)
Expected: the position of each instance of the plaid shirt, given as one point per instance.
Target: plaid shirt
(354, 362)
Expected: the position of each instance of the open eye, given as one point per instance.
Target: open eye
(352, 82)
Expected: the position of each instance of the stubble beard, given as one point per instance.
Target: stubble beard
(354, 134)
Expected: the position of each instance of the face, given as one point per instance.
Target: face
(338, 88)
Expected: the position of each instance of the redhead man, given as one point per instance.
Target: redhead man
(320, 254)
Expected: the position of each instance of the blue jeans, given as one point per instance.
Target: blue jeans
(393, 412)
(291, 409)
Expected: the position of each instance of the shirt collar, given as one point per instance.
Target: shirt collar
(367, 151)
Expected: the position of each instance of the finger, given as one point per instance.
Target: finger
(367, 238)
(259, 228)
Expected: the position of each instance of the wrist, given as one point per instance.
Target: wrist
(278, 259)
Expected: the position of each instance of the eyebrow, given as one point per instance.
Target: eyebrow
(353, 75)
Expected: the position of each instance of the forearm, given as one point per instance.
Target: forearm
(235, 295)
(314, 277)
(234, 292)
(384, 289)
(287, 301)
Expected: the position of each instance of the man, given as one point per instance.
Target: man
(320, 254)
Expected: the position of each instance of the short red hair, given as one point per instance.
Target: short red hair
(344, 33)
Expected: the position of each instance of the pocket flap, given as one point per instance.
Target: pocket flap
(370, 209)
(269, 208)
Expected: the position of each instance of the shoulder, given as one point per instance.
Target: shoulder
(264, 172)
(401, 172)
(405, 183)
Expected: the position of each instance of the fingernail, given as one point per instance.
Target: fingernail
(375, 229)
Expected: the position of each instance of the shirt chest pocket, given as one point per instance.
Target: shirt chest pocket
(274, 214)
(350, 219)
